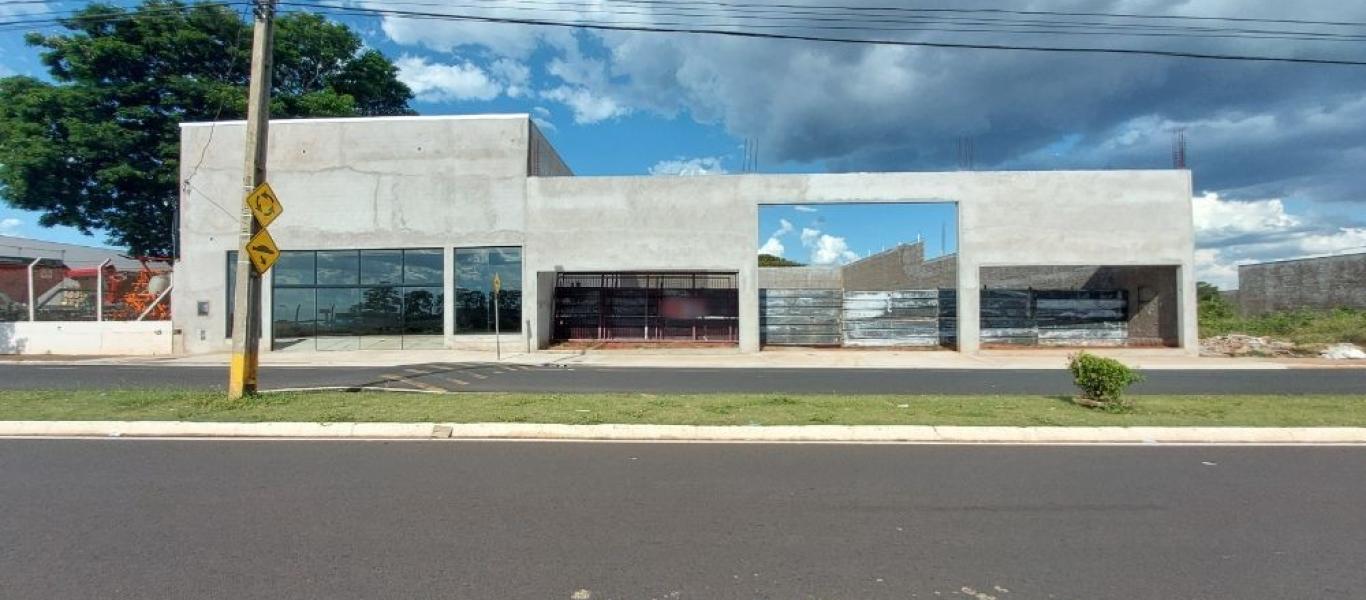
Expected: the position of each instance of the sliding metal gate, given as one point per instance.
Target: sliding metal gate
(646, 306)
(800, 317)
(896, 318)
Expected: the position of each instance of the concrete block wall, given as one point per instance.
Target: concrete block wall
(801, 278)
(1307, 283)
(886, 270)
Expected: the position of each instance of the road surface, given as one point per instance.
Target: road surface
(152, 519)
(475, 377)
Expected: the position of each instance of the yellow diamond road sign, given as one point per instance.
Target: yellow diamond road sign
(497, 283)
(262, 251)
(264, 204)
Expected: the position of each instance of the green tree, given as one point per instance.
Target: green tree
(98, 147)
(769, 260)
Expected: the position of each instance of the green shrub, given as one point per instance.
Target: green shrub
(1102, 381)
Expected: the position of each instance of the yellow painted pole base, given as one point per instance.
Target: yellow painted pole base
(241, 376)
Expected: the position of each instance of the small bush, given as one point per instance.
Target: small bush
(1102, 381)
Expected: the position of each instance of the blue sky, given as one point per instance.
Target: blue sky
(1275, 149)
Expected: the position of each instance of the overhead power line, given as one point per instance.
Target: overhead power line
(1041, 13)
(686, 29)
(757, 21)
(805, 19)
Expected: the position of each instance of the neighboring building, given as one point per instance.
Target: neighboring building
(64, 277)
(393, 229)
(1303, 283)
(82, 300)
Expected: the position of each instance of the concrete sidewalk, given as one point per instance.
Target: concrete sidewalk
(693, 433)
(796, 358)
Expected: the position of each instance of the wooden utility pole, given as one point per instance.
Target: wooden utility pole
(246, 317)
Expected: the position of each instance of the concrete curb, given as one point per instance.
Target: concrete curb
(694, 433)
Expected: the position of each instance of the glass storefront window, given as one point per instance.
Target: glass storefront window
(294, 268)
(474, 298)
(380, 267)
(357, 299)
(422, 267)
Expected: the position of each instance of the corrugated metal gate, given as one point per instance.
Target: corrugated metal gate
(928, 318)
(895, 318)
(800, 317)
(1055, 317)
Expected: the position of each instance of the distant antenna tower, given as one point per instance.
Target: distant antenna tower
(967, 151)
(1179, 149)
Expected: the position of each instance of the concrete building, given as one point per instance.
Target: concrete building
(394, 227)
(1317, 283)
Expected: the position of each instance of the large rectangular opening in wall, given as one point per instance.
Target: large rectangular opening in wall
(680, 307)
(881, 274)
(1079, 306)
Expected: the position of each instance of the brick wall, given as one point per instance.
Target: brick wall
(1309, 283)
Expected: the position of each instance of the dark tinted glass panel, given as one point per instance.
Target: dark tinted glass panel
(380, 311)
(423, 309)
(228, 304)
(293, 268)
(294, 312)
(338, 311)
(422, 267)
(338, 267)
(475, 270)
(379, 267)
(351, 296)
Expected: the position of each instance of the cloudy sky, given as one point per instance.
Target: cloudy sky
(1276, 149)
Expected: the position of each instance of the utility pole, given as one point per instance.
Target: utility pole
(246, 317)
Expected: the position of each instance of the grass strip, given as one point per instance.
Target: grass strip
(677, 409)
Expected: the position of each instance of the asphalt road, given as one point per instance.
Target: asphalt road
(250, 519)
(474, 377)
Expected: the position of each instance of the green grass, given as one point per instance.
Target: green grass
(707, 409)
(1303, 327)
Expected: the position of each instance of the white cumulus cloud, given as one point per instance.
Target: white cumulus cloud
(436, 82)
(588, 107)
(10, 226)
(772, 247)
(774, 244)
(805, 209)
(827, 249)
(514, 75)
(707, 165)
(1229, 233)
(830, 250)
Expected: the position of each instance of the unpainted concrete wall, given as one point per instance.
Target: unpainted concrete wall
(90, 338)
(1307, 283)
(400, 182)
(463, 181)
(800, 278)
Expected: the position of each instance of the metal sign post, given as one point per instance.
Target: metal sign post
(497, 338)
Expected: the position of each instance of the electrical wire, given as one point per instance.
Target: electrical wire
(679, 28)
(1036, 27)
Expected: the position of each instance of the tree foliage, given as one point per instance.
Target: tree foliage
(769, 260)
(97, 148)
